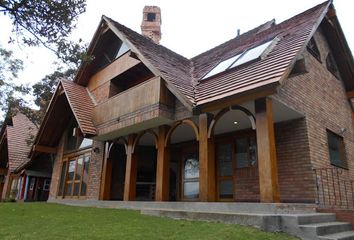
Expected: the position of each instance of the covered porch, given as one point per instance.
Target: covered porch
(224, 155)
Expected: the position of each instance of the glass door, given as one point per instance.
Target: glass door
(225, 171)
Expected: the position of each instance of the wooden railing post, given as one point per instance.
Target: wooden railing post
(130, 172)
(207, 189)
(267, 161)
(163, 166)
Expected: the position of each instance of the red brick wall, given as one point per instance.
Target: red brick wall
(93, 188)
(296, 181)
(322, 99)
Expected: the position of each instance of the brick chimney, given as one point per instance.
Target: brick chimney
(151, 24)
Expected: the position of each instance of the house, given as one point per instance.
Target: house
(18, 182)
(260, 118)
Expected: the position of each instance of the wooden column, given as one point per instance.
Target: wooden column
(267, 161)
(130, 172)
(163, 166)
(106, 175)
(207, 189)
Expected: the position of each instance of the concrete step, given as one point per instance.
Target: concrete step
(325, 228)
(303, 219)
(348, 235)
(266, 222)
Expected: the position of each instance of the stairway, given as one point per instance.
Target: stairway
(305, 225)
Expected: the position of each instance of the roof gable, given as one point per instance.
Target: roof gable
(19, 136)
(183, 77)
(68, 99)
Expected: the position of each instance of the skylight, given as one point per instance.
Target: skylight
(222, 66)
(252, 54)
(239, 59)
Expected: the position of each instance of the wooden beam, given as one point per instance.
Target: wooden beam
(44, 149)
(207, 181)
(350, 94)
(239, 98)
(106, 175)
(267, 162)
(163, 166)
(130, 172)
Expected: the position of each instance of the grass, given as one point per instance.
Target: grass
(52, 221)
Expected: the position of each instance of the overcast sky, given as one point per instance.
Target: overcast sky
(188, 27)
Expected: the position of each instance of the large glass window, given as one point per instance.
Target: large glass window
(74, 176)
(191, 176)
(336, 150)
(75, 139)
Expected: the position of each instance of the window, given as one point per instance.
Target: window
(46, 185)
(331, 65)
(336, 150)
(246, 152)
(313, 49)
(251, 54)
(74, 176)
(151, 17)
(75, 139)
(191, 176)
(240, 59)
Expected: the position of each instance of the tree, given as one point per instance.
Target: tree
(43, 22)
(39, 23)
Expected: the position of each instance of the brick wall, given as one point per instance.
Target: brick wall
(296, 181)
(93, 188)
(321, 97)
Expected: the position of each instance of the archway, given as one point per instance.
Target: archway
(182, 140)
(144, 148)
(115, 170)
(234, 132)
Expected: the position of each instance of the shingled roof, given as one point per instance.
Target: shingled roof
(292, 36)
(81, 105)
(19, 135)
(185, 75)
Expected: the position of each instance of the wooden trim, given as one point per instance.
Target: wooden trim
(239, 98)
(131, 172)
(224, 111)
(137, 139)
(350, 94)
(104, 178)
(176, 124)
(44, 149)
(267, 161)
(163, 166)
(207, 180)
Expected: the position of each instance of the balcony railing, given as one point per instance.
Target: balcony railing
(146, 101)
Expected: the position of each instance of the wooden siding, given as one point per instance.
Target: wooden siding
(151, 95)
(117, 67)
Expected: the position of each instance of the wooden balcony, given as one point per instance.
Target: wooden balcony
(144, 106)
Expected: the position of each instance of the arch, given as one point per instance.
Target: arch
(136, 140)
(121, 140)
(225, 110)
(176, 124)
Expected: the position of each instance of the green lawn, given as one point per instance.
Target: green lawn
(52, 221)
